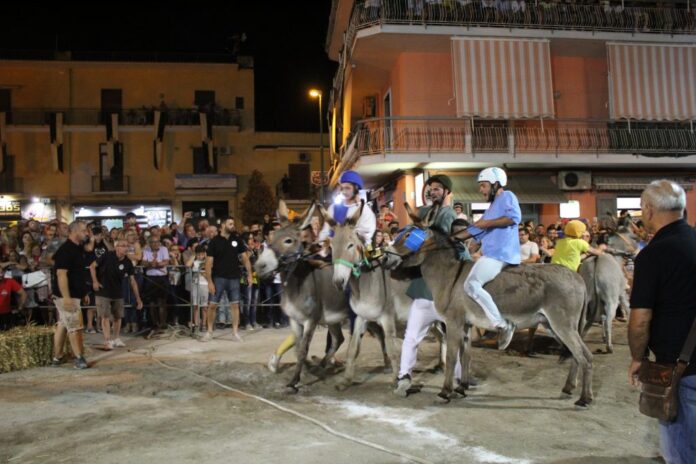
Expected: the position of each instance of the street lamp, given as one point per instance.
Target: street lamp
(314, 93)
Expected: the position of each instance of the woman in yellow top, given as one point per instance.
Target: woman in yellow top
(570, 248)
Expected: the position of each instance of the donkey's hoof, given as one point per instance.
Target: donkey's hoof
(582, 404)
(444, 397)
(343, 384)
(566, 393)
(610, 349)
(291, 389)
(461, 390)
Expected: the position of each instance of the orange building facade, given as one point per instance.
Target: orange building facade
(582, 104)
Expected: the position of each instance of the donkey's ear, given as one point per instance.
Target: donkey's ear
(306, 218)
(355, 217)
(414, 217)
(283, 212)
(326, 216)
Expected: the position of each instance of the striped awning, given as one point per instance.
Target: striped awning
(502, 78)
(652, 82)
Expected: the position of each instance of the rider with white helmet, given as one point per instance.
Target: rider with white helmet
(500, 246)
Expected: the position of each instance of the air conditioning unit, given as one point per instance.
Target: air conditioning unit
(304, 157)
(574, 180)
(228, 150)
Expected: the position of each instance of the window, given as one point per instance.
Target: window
(299, 180)
(204, 98)
(201, 164)
(570, 210)
(111, 102)
(239, 103)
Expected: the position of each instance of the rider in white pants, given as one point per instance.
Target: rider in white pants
(497, 232)
(421, 315)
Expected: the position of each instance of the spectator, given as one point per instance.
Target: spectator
(91, 310)
(27, 244)
(156, 285)
(459, 211)
(109, 272)
(100, 247)
(222, 273)
(69, 289)
(529, 251)
(7, 288)
(250, 290)
(131, 222)
(663, 308)
(198, 287)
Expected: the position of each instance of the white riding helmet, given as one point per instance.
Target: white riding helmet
(493, 175)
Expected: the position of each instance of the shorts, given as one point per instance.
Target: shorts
(229, 286)
(71, 320)
(199, 295)
(155, 288)
(110, 307)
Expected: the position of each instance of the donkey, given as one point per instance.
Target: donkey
(309, 296)
(374, 295)
(528, 295)
(606, 289)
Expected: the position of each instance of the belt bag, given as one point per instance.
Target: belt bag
(659, 396)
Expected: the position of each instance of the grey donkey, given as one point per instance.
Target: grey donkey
(527, 295)
(309, 296)
(374, 295)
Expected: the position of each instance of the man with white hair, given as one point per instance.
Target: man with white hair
(663, 309)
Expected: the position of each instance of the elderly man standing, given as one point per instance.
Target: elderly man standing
(663, 308)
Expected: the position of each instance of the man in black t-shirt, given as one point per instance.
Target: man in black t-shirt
(223, 274)
(69, 289)
(108, 273)
(663, 307)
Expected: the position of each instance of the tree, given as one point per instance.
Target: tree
(258, 200)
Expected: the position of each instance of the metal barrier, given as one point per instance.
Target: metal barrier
(36, 284)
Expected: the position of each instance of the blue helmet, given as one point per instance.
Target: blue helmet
(352, 177)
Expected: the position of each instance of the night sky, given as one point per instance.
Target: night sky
(286, 39)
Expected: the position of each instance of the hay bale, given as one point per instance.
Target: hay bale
(25, 347)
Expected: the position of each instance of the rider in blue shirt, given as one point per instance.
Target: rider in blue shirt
(498, 234)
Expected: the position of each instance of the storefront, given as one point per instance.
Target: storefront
(112, 216)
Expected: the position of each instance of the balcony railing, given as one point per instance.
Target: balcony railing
(461, 136)
(127, 117)
(117, 184)
(549, 14)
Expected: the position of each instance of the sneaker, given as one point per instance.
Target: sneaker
(237, 338)
(505, 335)
(81, 363)
(403, 386)
(276, 325)
(118, 343)
(90, 331)
(256, 327)
(273, 363)
(108, 346)
(55, 362)
(248, 327)
(208, 337)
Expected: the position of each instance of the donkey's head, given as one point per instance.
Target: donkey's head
(285, 245)
(347, 247)
(409, 242)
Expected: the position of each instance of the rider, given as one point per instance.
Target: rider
(422, 312)
(350, 184)
(570, 248)
(500, 246)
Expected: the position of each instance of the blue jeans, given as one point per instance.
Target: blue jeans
(678, 438)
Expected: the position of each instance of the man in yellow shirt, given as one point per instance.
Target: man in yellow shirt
(570, 248)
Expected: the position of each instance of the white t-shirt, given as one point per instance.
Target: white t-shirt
(528, 249)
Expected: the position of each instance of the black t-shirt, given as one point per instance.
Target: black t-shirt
(665, 281)
(225, 254)
(100, 249)
(72, 258)
(111, 272)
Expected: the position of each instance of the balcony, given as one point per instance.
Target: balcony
(110, 184)
(556, 137)
(127, 117)
(519, 14)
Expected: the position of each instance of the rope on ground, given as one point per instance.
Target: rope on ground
(299, 415)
